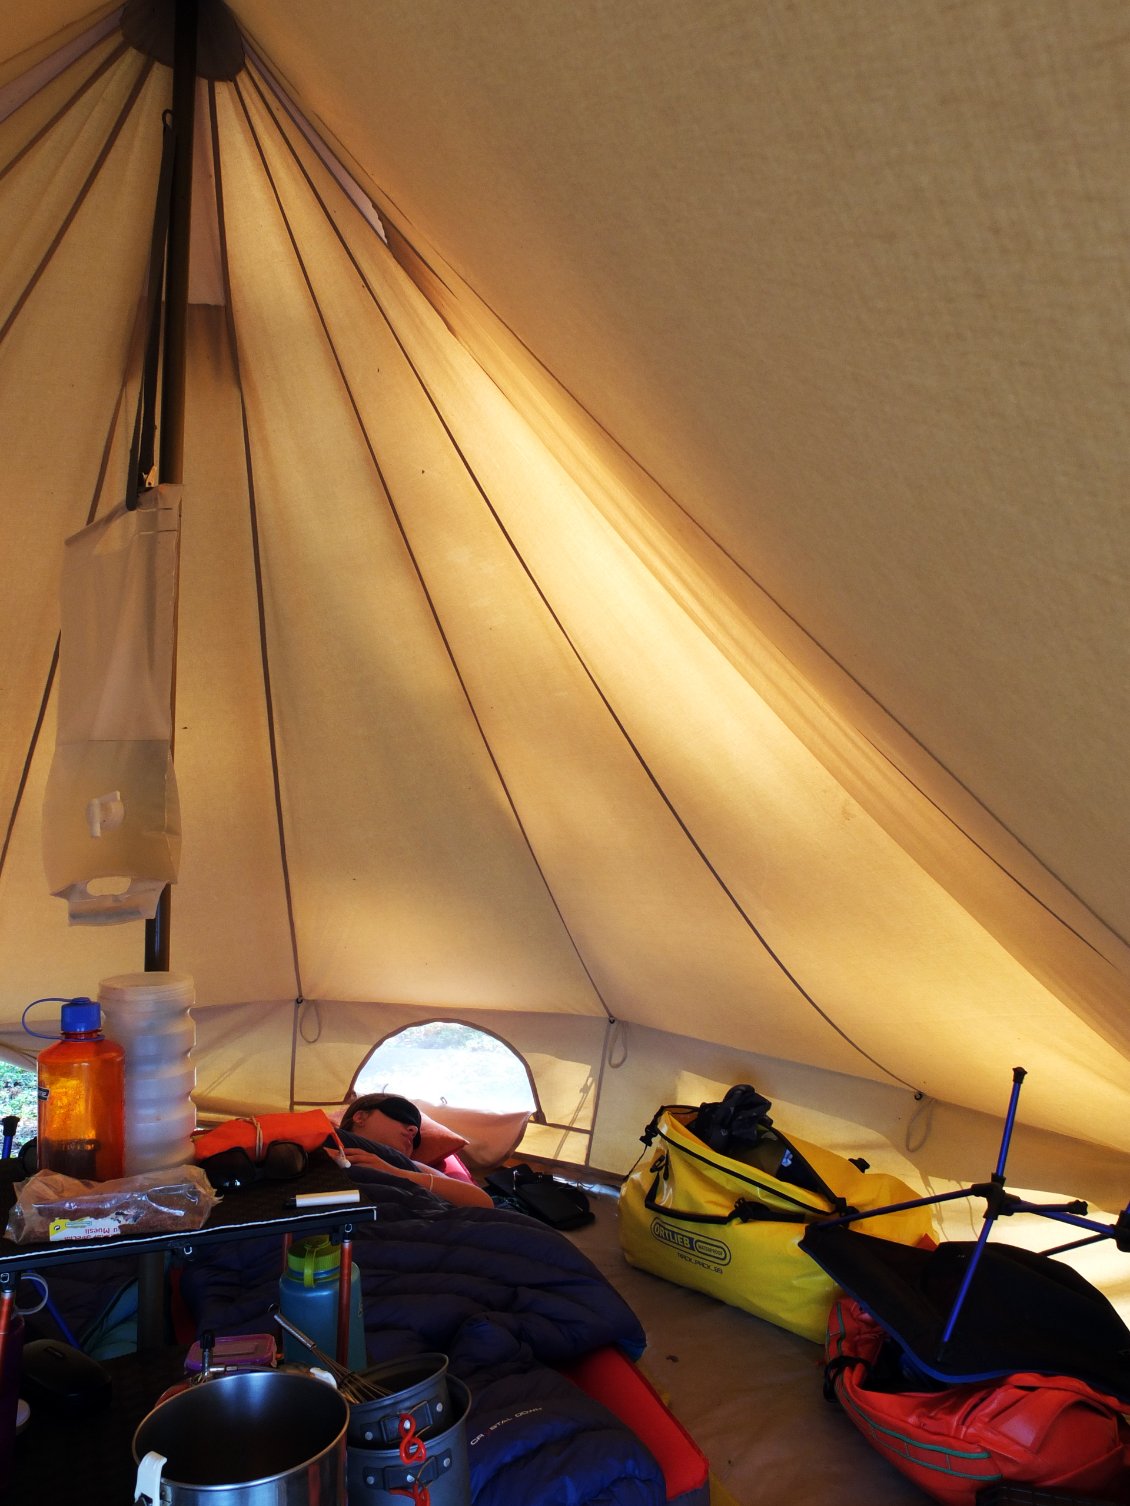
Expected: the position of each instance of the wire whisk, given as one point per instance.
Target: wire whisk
(353, 1387)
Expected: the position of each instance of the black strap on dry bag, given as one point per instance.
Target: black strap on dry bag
(745, 1210)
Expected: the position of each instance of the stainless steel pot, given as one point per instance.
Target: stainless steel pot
(249, 1438)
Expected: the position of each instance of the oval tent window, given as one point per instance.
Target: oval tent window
(448, 1062)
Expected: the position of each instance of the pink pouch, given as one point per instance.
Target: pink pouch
(453, 1167)
(239, 1351)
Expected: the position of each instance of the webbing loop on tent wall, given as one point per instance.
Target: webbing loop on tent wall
(616, 1043)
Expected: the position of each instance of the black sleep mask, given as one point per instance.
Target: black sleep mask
(393, 1107)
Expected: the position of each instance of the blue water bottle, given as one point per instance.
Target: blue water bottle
(308, 1297)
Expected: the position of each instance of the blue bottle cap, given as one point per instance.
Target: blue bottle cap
(80, 1015)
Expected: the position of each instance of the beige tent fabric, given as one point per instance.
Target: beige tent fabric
(670, 601)
(76, 318)
(788, 258)
(111, 819)
(927, 812)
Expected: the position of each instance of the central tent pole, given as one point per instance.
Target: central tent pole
(170, 467)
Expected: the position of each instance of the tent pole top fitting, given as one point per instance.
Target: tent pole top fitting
(149, 26)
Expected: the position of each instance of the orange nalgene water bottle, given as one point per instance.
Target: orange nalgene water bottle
(81, 1098)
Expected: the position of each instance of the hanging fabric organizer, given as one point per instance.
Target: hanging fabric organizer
(111, 822)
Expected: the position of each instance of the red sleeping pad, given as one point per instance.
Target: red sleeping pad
(610, 1378)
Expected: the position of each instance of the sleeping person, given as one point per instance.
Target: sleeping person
(380, 1131)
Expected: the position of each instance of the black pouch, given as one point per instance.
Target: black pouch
(543, 1197)
(229, 1170)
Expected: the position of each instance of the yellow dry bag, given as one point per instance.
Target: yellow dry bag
(729, 1224)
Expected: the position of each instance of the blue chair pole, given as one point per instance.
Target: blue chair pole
(992, 1206)
(62, 1324)
(1018, 1076)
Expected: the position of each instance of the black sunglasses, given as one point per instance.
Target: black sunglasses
(229, 1170)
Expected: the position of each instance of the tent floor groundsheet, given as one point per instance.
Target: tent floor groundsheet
(749, 1393)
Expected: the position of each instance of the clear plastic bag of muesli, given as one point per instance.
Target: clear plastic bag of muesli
(51, 1208)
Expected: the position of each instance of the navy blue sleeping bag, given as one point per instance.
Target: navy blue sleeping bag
(507, 1299)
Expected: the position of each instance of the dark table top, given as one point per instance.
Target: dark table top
(260, 1209)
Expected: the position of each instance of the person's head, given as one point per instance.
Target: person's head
(385, 1118)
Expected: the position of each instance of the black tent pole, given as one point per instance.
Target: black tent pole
(171, 453)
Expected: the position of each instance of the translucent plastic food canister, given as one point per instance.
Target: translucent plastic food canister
(149, 1015)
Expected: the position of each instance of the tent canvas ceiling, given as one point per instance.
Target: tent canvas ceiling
(654, 561)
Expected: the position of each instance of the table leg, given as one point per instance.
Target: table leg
(345, 1282)
(150, 1301)
(7, 1309)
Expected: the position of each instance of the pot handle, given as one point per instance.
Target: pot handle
(148, 1487)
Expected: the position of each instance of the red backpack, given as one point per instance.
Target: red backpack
(1037, 1430)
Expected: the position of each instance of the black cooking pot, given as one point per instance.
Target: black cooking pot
(417, 1388)
(384, 1476)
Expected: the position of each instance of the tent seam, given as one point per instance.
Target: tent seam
(72, 213)
(407, 544)
(840, 666)
(656, 784)
(253, 521)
